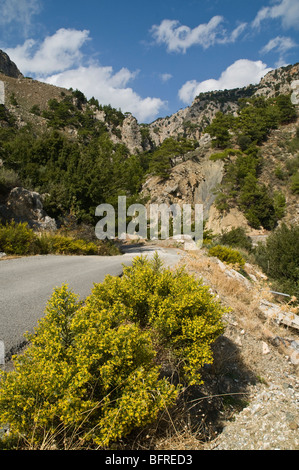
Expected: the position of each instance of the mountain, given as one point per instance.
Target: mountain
(81, 154)
(193, 119)
(7, 67)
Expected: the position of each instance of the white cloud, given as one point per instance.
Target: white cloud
(178, 38)
(109, 88)
(286, 10)
(165, 77)
(55, 54)
(281, 45)
(241, 73)
(58, 60)
(18, 10)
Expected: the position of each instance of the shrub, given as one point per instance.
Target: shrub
(179, 309)
(67, 245)
(19, 239)
(279, 258)
(226, 254)
(236, 237)
(16, 238)
(295, 183)
(8, 180)
(92, 370)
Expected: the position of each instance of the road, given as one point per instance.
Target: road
(26, 284)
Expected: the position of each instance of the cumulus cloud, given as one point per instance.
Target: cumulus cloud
(56, 53)
(286, 10)
(58, 60)
(109, 87)
(178, 38)
(241, 73)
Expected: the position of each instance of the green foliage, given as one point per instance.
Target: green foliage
(219, 130)
(6, 116)
(295, 183)
(35, 110)
(227, 255)
(92, 370)
(13, 100)
(19, 239)
(257, 116)
(236, 237)
(225, 154)
(279, 205)
(16, 238)
(279, 258)
(257, 204)
(160, 159)
(8, 179)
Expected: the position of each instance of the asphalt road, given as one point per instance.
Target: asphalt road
(26, 284)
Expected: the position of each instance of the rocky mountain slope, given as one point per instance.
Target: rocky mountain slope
(250, 396)
(7, 67)
(193, 178)
(192, 120)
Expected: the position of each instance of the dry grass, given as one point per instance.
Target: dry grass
(242, 297)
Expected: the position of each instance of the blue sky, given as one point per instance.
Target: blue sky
(150, 58)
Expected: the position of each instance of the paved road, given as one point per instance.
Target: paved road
(26, 284)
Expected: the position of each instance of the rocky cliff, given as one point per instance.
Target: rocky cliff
(7, 67)
(192, 120)
(193, 178)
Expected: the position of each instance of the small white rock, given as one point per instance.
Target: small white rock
(265, 348)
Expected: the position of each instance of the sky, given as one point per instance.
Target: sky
(149, 57)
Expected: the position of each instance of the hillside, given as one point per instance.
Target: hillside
(166, 161)
(237, 153)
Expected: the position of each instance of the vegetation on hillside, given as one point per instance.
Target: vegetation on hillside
(279, 258)
(80, 171)
(20, 239)
(243, 165)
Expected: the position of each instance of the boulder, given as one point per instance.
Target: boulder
(23, 205)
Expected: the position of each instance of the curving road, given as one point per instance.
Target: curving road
(26, 284)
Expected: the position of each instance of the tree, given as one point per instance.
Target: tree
(279, 258)
(219, 130)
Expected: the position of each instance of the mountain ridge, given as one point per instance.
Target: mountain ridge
(191, 175)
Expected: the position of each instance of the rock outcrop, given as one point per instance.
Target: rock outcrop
(9, 68)
(131, 135)
(26, 206)
(190, 182)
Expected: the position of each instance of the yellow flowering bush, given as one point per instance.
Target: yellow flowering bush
(179, 311)
(227, 254)
(91, 369)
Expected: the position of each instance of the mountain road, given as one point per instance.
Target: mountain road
(27, 283)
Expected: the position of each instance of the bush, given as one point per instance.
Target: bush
(279, 258)
(8, 179)
(67, 245)
(236, 237)
(19, 239)
(295, 183)
(16, 238)
(226, 254)
(92, 370)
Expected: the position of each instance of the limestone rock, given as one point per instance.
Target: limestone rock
(7, 67)
(131, 135)
(26, 206)
(295, 93)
